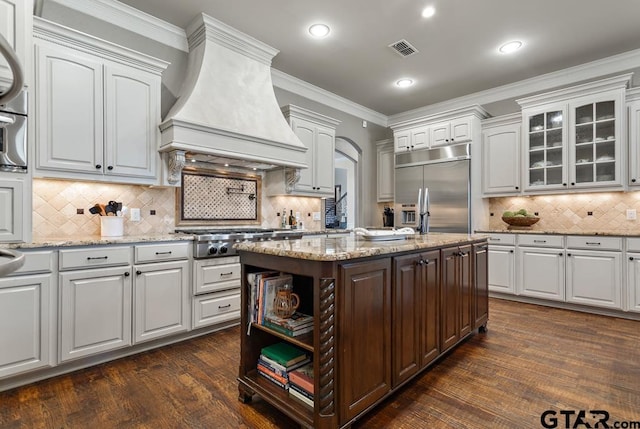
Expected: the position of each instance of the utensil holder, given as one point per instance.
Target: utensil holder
(111, 226)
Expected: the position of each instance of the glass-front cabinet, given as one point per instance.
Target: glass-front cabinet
(573, 137)
(546, 139)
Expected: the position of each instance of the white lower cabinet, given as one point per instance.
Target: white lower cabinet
(633, 281)
(541, 272)
(594, 278)
(95, 311)
(502, 263)
(161, 300)
(216, 290)
(26, 315)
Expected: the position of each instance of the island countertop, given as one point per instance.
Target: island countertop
(352, 247)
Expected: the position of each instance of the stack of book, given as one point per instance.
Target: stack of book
(297, 324)
(301, 384)
(278, 360)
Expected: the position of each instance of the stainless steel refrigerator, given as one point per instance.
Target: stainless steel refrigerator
(443, 175)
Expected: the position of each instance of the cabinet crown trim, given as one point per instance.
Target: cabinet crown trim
(510, 119)
(61, 35)
(293, 111)
(473, 110)
(602, 85)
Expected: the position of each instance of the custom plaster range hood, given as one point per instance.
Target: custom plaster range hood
(227, 109)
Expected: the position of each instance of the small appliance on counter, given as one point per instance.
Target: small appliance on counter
(387, 217)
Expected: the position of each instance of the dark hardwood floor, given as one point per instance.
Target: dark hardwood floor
(532, 359)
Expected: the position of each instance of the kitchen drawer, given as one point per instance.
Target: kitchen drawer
(502, 239)
(91, 257)
(594, 243)
(216, 308)
(40, 261)
(539, 240)
(633, 244)
(161, 252)
(211, 277)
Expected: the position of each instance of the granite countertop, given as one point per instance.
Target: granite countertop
(343, 248)
(610, 232)
(84, 240)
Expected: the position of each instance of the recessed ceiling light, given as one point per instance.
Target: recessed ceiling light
(404, 83)
(319, 30)
(428, 12)
(510, 47)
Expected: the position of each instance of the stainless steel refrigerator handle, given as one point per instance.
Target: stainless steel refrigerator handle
(14, 64)
(6, 120)
(426, 210)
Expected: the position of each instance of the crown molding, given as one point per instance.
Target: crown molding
(312, 92)
(569, 76)
(131, 19)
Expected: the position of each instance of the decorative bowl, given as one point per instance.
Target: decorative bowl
(520, 220)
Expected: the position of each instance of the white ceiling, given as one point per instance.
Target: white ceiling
(457, 47)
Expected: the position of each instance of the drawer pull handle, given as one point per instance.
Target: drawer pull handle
(226, 274)
(539, 241)
(592, 243)
(91, 258)
(220, 307)
(494, 239)
(164, 253)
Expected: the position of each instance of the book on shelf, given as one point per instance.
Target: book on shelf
(288, 332)
(270, 286)
(273, 380)
(282, 380)
(296, 321)
(300, 390)
(299, 396)
(303, 377)
(254, 281)
(284, 353)
(277, 368)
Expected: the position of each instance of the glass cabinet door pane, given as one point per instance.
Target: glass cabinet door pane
(584, 114)
(536, 123)
(554, 119)
(584, 133)
(605, 110)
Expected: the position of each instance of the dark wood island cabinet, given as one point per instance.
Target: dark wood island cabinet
(383, 312)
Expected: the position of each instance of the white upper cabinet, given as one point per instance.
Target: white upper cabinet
(15, 26)
(501, 155)
(317, 133)
(385, 177)
(574, 139)
(446, 128)
(633, 103)
(451, 132)
(98, 108)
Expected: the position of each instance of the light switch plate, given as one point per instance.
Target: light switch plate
(135, 215)
(631, 214)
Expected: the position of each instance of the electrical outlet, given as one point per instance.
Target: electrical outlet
(631, 214)
(316, 215)
(135, 215)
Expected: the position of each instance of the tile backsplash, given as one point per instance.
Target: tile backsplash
(573, 212)
(55, 205)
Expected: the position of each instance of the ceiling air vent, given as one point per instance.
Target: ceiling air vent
(403, 48)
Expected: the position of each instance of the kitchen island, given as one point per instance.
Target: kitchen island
(383, 312)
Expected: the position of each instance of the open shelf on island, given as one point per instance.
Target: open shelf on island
(278, 397)
(303, 341)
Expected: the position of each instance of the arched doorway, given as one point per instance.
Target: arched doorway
(347, 180)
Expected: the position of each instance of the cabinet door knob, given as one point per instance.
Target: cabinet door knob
(568, 254)
(138, 272)
(127, 274)
(564, 184)
(517, 187)
(110, 167)
(633, 180)
(511, 251)
(560, 254)
(573, 184)
(631, 258)
(421, 262)
(98, 166)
